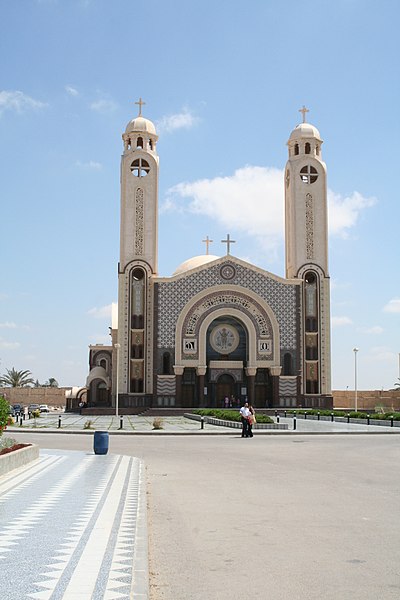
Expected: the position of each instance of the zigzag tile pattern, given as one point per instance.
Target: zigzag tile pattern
(68, 527)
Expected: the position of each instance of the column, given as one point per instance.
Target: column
(201, 371)
(275, 372)
(251, 380)
(178, 370)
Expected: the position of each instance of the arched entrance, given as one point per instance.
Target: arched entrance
(225, 388)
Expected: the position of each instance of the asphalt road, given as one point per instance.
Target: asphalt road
(280, 517)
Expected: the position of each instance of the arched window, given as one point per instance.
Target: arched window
(287, 364)
(139, 143)
(151, 144)
(307, 148)
(296, 149)
(103, 363)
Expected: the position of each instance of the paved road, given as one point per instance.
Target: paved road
(277, 517)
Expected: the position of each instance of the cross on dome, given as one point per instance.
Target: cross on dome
(141, 103)
(304, 110)
(228, 243)
(207, 242)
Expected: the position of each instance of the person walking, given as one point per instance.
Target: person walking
(245, 413)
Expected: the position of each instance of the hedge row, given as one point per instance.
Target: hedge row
(342, 413)
(228, 415)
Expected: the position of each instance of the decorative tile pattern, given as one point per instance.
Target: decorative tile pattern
(174, 295)
(309, 227)
(139, 238)
(70, 522)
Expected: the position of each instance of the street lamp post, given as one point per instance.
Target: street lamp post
(355, 350)
(117, 347)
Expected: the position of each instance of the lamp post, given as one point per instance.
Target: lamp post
(355, 350)
(117, 347)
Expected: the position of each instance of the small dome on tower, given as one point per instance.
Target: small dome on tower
(305, 130)
(142, 125)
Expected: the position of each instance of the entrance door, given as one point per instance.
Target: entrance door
(225, 388)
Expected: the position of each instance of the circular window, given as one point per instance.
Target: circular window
(308, 174)
(224, 339)
(228, 272)
(140, 167)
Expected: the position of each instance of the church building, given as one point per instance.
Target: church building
(219, 326)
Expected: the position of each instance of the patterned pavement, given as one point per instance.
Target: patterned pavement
(73, 526)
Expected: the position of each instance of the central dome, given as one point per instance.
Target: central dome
(196, 261)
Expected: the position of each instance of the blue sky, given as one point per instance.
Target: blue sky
(223, 82)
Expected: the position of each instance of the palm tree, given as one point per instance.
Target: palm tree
(51, 382)
(14, 378)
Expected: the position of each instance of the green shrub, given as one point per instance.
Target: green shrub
(229, 415)
(4, 414)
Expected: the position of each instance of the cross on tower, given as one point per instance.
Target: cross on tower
(140, 102)
(207, 242)
(304, 110)
(228, 243)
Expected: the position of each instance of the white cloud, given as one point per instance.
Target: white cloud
(18, 101)
(340, 321)
(182, 120)
(345, 211)
(393, 306)
(252, 201)
(104, 312)
(104, 106)
(8, 325)
(382, 353)
(9, 345)
(91, 165)
(375, 330)
(71, 90)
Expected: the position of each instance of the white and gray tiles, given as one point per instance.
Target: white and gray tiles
(71, 527)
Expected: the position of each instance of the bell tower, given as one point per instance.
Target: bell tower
(138, 257)
(306, 244)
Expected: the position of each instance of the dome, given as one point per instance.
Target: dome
(196, 261)
(305, 130)
(140, 124)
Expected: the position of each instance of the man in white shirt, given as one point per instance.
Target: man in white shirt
(245, 413)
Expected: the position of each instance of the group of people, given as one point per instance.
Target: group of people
(230, 402)
(248, 416)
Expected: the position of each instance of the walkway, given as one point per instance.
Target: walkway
(180, 425)
(73, 527)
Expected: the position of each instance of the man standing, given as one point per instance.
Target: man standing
(245, 413)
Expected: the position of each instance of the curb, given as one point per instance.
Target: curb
(18, 458)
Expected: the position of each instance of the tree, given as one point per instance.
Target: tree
(14, 378)
(4, 413)
(51, 382)
(398, 383)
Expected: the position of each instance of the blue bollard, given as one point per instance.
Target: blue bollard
(100, 442)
